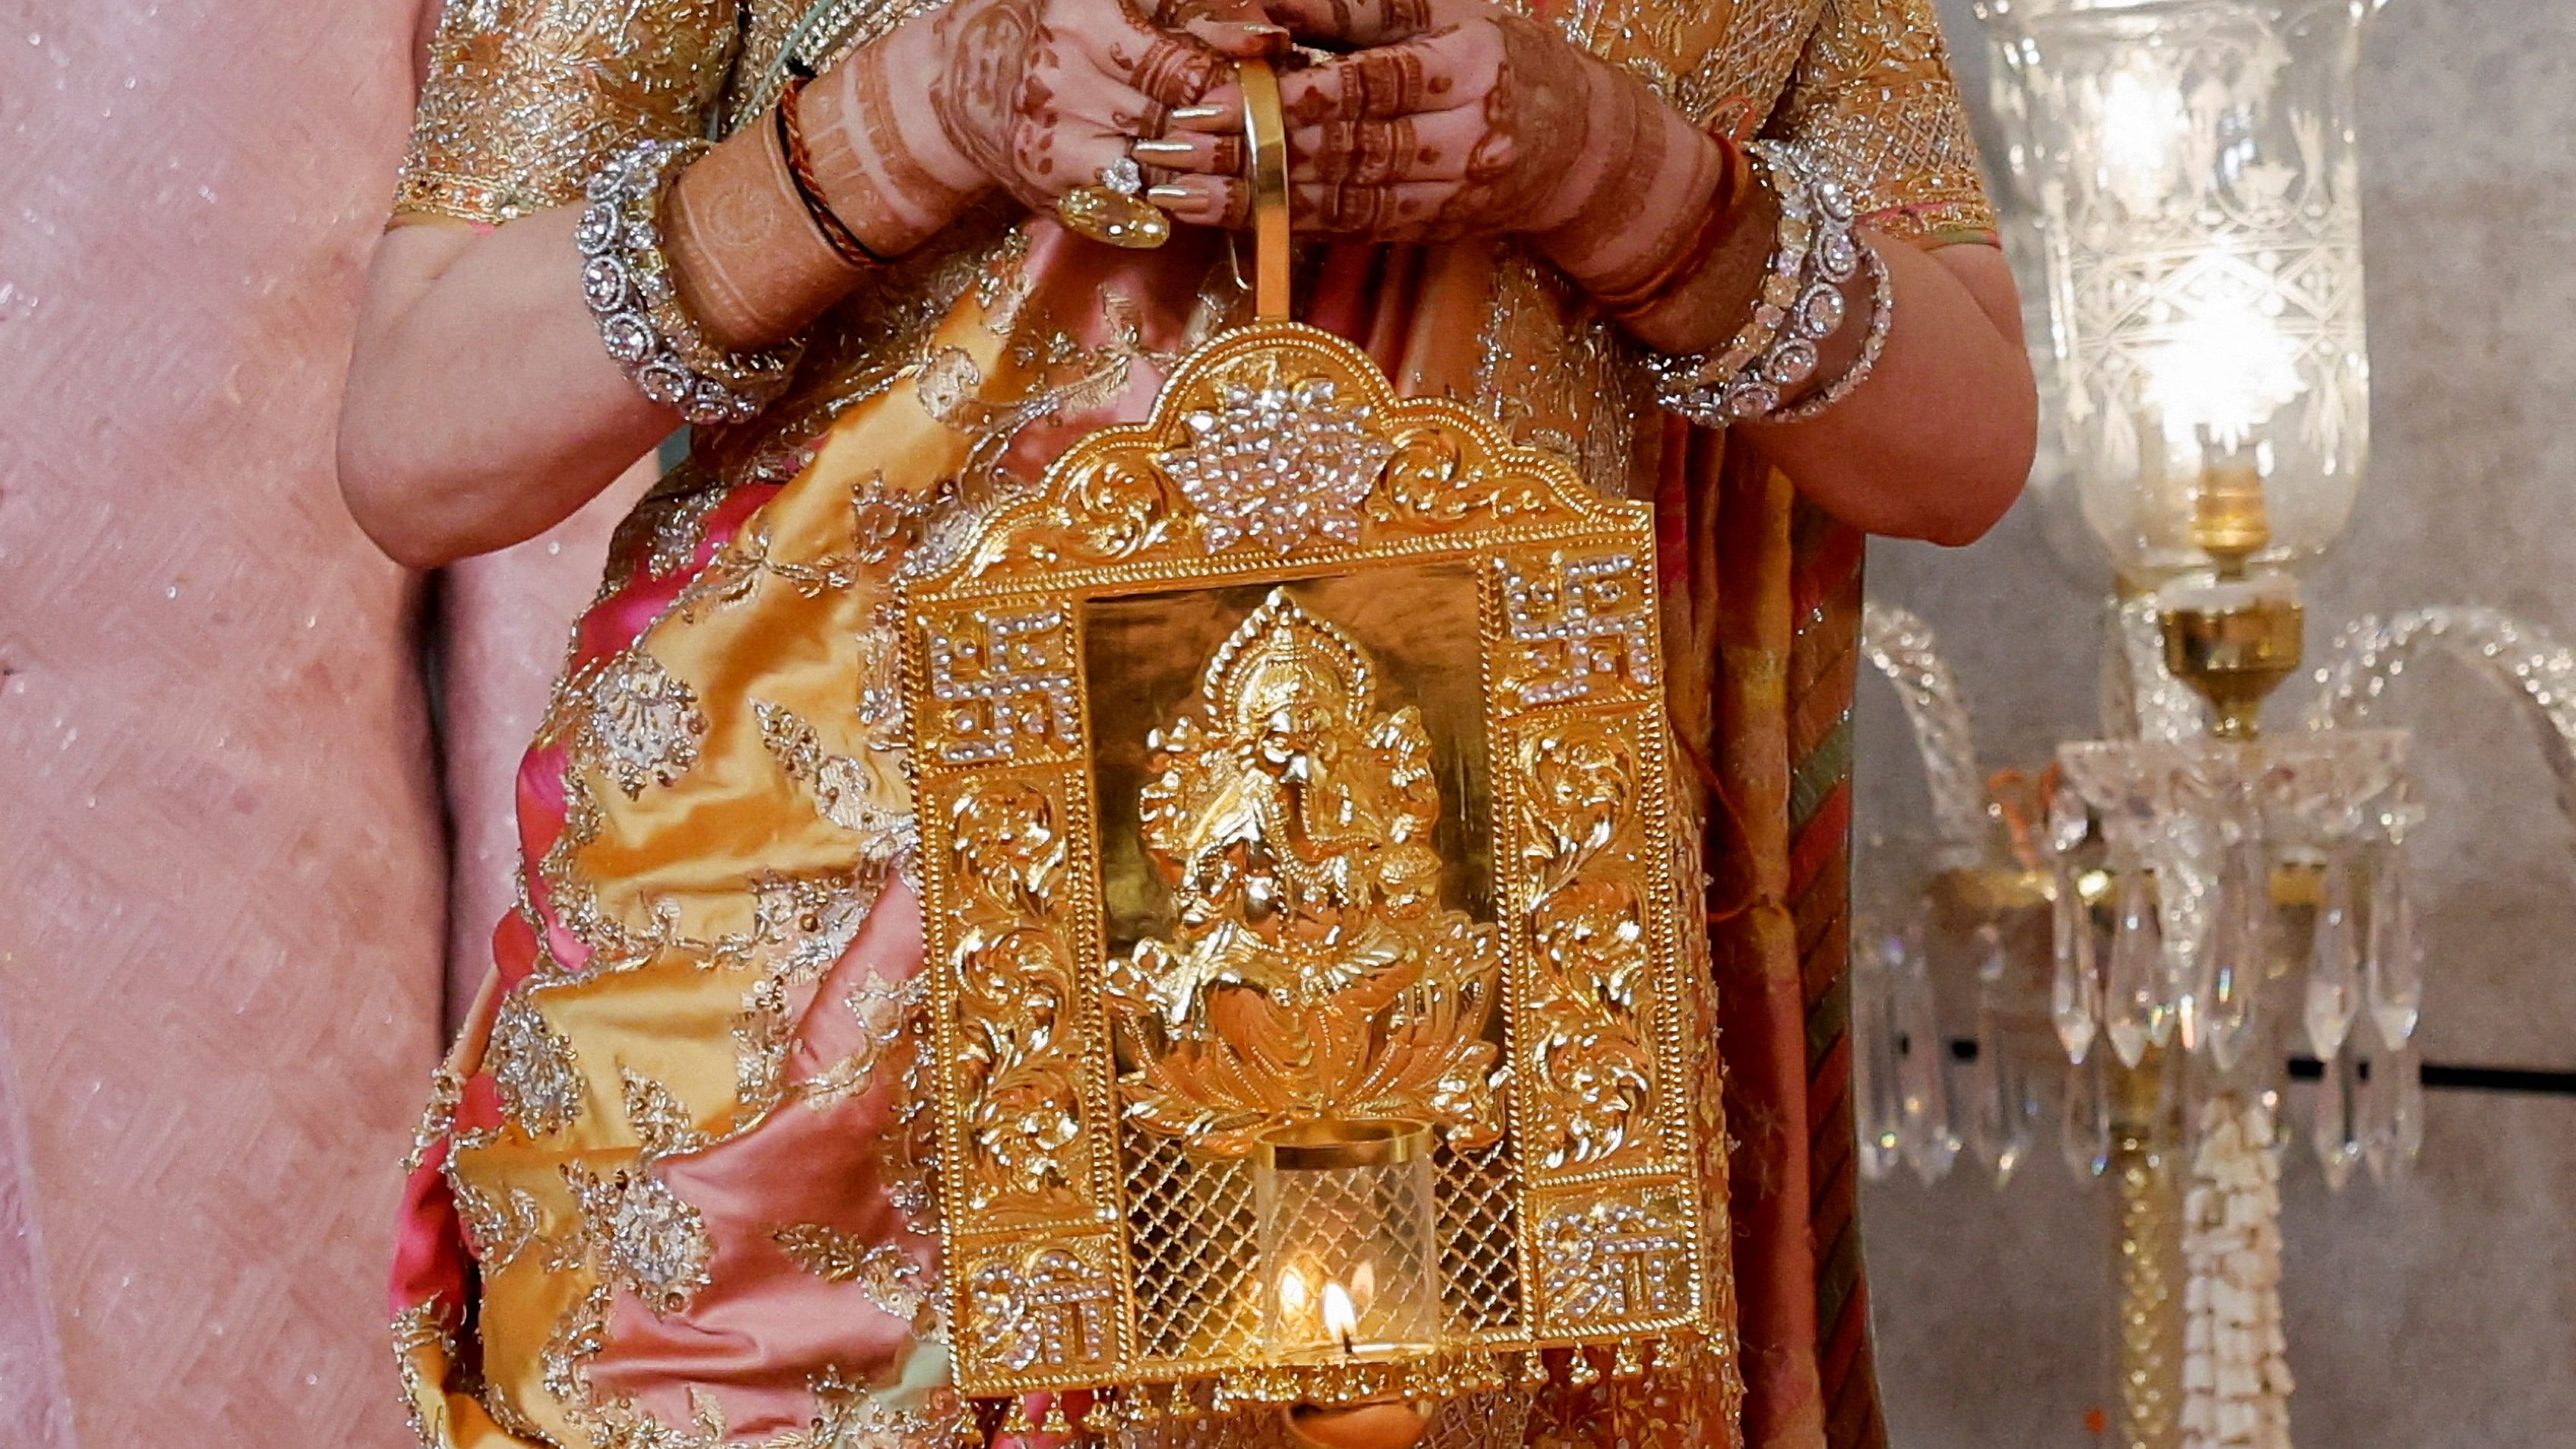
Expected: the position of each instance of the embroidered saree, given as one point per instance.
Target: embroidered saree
(674, 1184)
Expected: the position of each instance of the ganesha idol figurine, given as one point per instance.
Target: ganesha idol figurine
(1311, 924)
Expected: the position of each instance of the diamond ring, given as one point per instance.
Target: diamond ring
(1111, 211)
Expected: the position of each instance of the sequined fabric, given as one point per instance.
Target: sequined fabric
(620, 1193)
(1874, 97)
(525, 98)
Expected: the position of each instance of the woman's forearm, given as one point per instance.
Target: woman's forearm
(481, 409)
(1672, 235)
(481, 406)
(1937, 442)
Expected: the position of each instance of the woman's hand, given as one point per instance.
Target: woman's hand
(1040, 96)
(1453, 118)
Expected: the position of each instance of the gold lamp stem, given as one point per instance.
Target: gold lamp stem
(2233, 643)
(2150, 1207)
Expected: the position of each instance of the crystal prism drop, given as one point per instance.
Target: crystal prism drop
(2084, 1120)
(2074, 985)
(2336, 1132)
(2068, 823)
(2377, 1115)
(2393, 979)
(2408, 1106)
(2025, 1101)
(2135, 1013)
(1929, 1140)
(1878, 1100)
(2237, 950)
(2004, 1103)
(1993, 962)
(2333, 992)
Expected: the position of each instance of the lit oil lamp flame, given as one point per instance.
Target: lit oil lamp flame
(1341, 1316)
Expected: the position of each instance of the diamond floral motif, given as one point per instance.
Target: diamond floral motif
(1279, 463)
(650, 1241)
(541, 1086)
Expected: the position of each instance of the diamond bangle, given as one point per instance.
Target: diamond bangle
(1832, 260)
(1708, 387)
(627, 282)
(1882, 316)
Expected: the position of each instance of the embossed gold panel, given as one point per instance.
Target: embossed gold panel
(1299, 752)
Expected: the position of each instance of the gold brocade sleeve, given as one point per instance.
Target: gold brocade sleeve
(1874, 98)
(526, 98)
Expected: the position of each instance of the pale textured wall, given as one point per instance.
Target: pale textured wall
(2442, 1314)
(224, 894)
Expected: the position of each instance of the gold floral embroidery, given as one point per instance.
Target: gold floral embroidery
(655, 1114)
(911, 1160)
(437, 1115)
(842, 786)
(880, 1007)
(877, 660)
(848, 1416)
(498, 1228)
(423, 1326)
(1556, 379)
(664, 531)
(738, 568)
(644, 723)
(526, 98)
(887, 1274)
(1763, 38)
(532, 1064)
(803, 927)
(563, 1364)
(644, 1237)
(506, 1413)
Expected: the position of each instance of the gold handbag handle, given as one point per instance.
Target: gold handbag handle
(1265, 131)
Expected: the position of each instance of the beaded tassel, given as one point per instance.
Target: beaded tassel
(1534, 1371)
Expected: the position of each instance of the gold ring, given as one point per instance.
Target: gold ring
(1105, 215)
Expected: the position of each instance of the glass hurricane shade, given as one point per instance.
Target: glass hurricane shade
(2186, 187)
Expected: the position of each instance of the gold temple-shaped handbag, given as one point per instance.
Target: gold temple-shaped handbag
(1314, 1015)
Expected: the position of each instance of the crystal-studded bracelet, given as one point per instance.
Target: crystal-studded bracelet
(627, 281)
(1800, 305)
(1832, 260)
(1705, 387)
(1882, 316)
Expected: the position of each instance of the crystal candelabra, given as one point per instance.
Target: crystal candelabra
(2183, 200)
(2156, 926)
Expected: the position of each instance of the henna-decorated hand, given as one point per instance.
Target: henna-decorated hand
(1453, 118)
(1040, 95)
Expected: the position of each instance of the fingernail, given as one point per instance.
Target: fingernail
(1259, 27)
(1198, 113)
(1160, 148)
(1170, 195)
